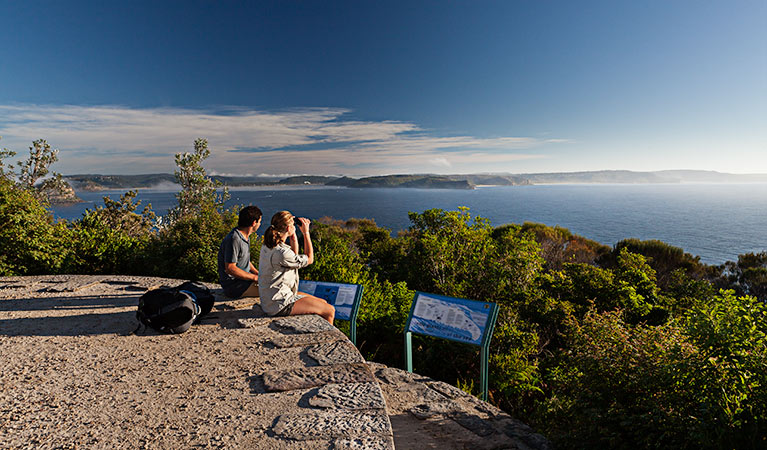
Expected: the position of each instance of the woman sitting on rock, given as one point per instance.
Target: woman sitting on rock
(278, 266)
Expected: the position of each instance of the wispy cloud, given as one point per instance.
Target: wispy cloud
(308, 140)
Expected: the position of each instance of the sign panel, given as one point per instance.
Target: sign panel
(451, 318)
(341, 296)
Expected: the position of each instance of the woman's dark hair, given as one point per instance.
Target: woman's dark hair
(280, 224)
(248, 215)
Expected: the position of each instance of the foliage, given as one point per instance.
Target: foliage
(41, 155)
(630, 287)
(559, 245)
(186, 244)
(460, 257)
(619, 386)
(188, 247)
(110, 239)
(453, 254)
(730, 380)
(698, 382)
(30, 243)
(5, 153)
(747, 276)
(665, 259)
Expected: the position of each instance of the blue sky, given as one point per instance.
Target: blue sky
(366, 88)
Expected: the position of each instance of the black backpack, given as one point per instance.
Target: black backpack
(174, 309)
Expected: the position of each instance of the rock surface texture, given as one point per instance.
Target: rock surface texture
(76, 373)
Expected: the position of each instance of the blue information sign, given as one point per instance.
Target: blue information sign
(456, 319)
(451, 318)
(344, 297)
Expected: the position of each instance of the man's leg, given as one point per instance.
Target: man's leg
(309, 304)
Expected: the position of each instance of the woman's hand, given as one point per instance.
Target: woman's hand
(303, 224)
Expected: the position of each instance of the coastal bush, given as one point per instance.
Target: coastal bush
(695, 382)
(621, 386)
(110, 239)
(188, 247)
(559, 245)
(665, 259)
(453, 254)
(30, 242)
(731, 381)
(33, 172)
(187, 243)
(746, 276)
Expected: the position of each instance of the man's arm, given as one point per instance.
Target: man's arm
(253, 268)
(233, 270)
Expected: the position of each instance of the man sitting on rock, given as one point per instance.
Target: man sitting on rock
(236, 274)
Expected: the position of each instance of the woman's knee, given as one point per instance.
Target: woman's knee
(313, 305)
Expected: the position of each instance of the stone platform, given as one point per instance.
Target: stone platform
(75, 375)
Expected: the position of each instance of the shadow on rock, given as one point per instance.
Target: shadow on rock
(71, 325)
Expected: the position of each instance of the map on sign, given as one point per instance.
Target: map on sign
(341, 296)
(450, 318)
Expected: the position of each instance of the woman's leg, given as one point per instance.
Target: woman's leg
(309, 304)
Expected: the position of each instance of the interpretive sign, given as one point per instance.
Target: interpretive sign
(344, 297)
(456, 319)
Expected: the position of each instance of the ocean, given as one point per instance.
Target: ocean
(714, 221)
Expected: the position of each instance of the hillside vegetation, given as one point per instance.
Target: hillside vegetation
(639, 345)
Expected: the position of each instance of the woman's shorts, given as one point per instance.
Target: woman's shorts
(289, 308)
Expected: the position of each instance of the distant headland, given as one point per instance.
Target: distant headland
(96, 182)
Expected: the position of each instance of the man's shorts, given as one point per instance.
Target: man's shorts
(235, 288)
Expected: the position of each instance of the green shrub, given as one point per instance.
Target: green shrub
(697, 382)
(559, 245)
(731, 378)
(188, 248)
(110, 239)
(30, 243)
(619, 386)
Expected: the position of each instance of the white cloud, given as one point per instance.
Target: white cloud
(117, 139)
(442, 162)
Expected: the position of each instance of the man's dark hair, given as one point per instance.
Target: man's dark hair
(248, 215)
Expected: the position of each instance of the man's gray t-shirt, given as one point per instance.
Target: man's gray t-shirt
(234, 249)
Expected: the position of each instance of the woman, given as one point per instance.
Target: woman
(278, 267)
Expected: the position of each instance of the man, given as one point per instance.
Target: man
(236, 274)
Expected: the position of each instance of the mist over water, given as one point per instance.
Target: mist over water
(714, 221)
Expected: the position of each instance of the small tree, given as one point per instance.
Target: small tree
(5, 153)
(34, 169)
(198, 190)
(41, 156)
(193, 233)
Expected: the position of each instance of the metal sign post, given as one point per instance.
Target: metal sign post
(456, 319)
(344, 297)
